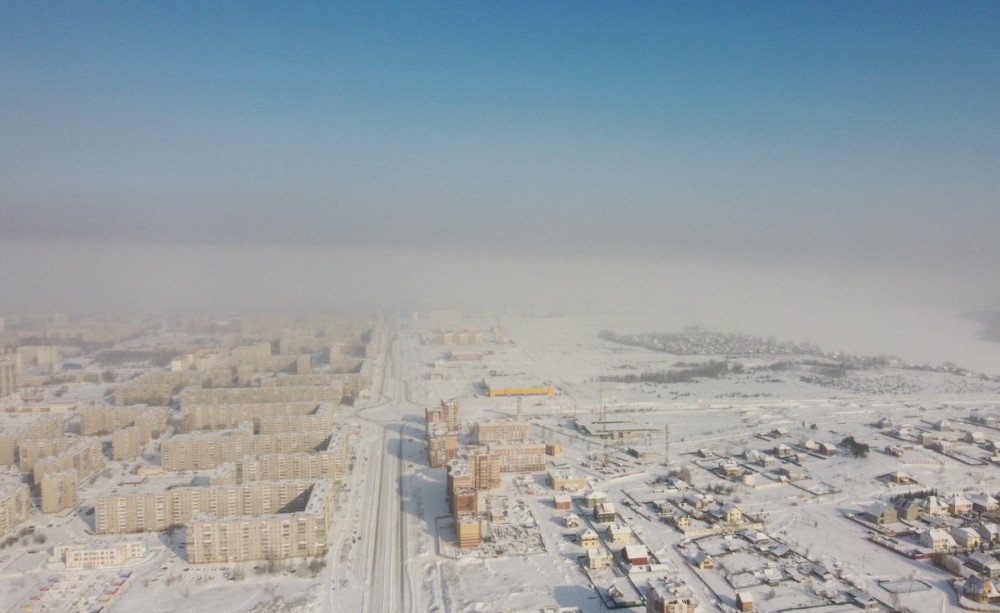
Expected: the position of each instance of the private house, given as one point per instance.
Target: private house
(598, 558)
(908, 510)
(984, 503)
(589, 539)
(984, 564)
(619, 534)
(933, 506)
(900, 478)
(881, 514)
(959, 505)
(989, 533)
(703, 561)
(635, 554)
(604, 513)
(828, 449)
(966, 537)
(937, 539)
(592, 499)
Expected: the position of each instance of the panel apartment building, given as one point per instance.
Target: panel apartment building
(271, 536)
(249, 395)
(11, 438)
(206, 451)
(15, 506)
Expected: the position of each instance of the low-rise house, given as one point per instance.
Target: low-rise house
(881, 514)
(598, 558)
(976, 438)
(933, 506)
(937, 539)
(989, 533)
(865, 601)
(703, 561)
(908, 510)
(619, 534)
(729, 468)
(605, 512)
(984, 564)
(979, 589)
(744, 601)
(782, 450)
(943, 446)
(562, 502)
(900, 478)
(959, 505)
(965, 537)
(984, 503)
(593, 499)
(572, 521)
(589, 539)
(635, 554)
(730, 513)
(828, 449)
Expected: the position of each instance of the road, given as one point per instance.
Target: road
(387, 584)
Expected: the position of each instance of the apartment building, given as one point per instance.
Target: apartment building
(445, 417)
(441, 449)
(127, 443)
(222, 416)
(214, 377)
(49, 426)
(9, 367)
(59, 491)
(468, 530)
(519, 457)
(299, 381)
(206, 451)
(156, 509)
(321, 420)
(272, 536)
(498, 431)
(32, 451)
(328, 464)
(159, 394)
(15, 506)
(102, 420)
(86, 457)
(249, 395)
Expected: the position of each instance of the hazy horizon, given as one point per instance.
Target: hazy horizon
(816, 172)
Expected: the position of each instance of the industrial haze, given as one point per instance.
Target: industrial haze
(181, 181)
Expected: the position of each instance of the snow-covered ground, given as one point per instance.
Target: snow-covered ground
(392, 546)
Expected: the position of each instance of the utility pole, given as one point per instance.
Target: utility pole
(666, 445)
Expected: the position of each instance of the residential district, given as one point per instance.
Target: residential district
(511, 462)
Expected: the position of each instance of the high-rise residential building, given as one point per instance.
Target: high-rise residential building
(8, 375)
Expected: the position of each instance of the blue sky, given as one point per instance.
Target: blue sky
(826, 132)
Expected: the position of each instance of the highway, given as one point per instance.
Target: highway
(387, 587)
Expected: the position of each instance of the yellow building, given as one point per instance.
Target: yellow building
(544, 390)
(497, 431)
(271, 536)
(12, 438)
(467, 530)
(15, 506)
(59, 491)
